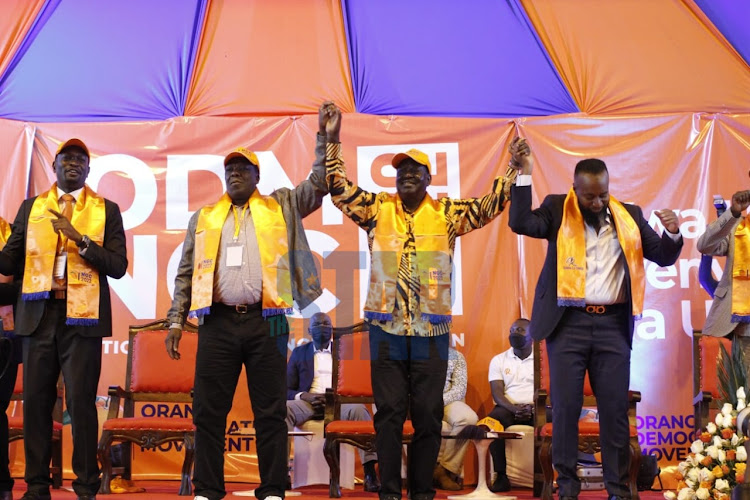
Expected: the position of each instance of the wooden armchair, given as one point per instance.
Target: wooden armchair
(351, 384)
(151, 377)
(706, 352)
(15, 426)
(588, 432)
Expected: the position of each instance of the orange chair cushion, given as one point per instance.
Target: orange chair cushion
(354, 365)
(361, 427)
(16, 422)
(154, 371)
(710, 350)
(150, 423)
(584, 429)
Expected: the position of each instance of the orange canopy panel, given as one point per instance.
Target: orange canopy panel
(16, 18)
(270, 58)
(630, 57)
(16, 143)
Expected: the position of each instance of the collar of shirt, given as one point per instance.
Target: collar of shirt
(325, 349)
(75, 194)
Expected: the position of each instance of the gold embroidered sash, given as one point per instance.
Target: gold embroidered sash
(273, 243)
(741, 273)
(433, 254)
(89, 217)
(571, 254)
(6, 312)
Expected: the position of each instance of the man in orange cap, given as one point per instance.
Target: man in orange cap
(408, 308)
(64, 244)
(245, 261)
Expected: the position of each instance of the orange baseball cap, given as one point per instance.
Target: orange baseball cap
(415, 155)
(73, 142)
(491, 424)
(243, 152)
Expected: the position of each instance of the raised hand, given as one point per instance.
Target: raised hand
(64, 227)
(520, 156)
(333, 127)
(669, 220)
(740, 202)
(323, 116)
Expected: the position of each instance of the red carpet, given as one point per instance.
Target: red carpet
(162, 490)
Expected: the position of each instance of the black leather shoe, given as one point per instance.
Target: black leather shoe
(31, 495)
(372, 483)
(502, 483)
(86, 497)
(569, 498)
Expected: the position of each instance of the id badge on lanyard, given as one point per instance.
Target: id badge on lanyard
(60, 263)
(235, 249)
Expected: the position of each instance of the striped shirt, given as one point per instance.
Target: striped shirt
(363, 208)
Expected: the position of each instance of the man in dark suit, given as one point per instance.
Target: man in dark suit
(64, 244)
(10, 356)
(308, 375)
(589, 291)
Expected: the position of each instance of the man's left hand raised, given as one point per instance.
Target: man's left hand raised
(669, 220)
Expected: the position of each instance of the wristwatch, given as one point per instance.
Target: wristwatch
(84, 243)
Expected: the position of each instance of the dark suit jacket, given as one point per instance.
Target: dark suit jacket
(300, 370)
(544, 222)
(110, 259)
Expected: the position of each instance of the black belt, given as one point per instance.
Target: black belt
(599, 310)
(239, 308)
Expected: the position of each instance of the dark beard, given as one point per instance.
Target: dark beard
(593, 218)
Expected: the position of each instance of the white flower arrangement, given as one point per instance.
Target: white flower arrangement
(717, 459)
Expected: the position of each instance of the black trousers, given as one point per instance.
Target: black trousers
(54, 346)
(9, 362)
(227, 340)
(600, 345)
(497, 447)
(408, 374)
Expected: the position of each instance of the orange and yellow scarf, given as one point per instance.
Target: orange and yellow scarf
(433, 255)
(89, 217)
(741, 273)
(273, 243)
(6, 312)
(571, 254)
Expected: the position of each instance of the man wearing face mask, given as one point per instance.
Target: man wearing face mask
(308, 375)
(511, 377)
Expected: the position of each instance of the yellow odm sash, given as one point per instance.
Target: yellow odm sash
(571, 254)
(6, 312)
(89, 217)
(741, 274)
(434, 258)
(273, 243)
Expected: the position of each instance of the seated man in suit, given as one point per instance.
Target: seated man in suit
(511, 377)
(456, 414)
(308, 375)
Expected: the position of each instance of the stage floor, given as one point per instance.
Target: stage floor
(162, 490)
